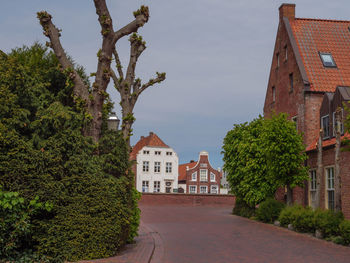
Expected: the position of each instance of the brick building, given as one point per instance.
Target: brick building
(156, 165)
(311, 68)
(199, 177)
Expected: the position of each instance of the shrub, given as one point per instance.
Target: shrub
(16, 233)
(243, 209)
(269, 210)
(344, 231)
(304, 220)
(328, 222)
(289, 214)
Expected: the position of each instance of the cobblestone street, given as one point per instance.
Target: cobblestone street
(212, 234)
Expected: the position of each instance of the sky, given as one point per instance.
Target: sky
(216, 54)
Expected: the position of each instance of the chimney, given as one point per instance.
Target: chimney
(192, 161)
(150, 133)
(142, 137)
(287, 10)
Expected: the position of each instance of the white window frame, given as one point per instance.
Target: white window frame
(157, 152)
(329, 186)
(194, 176)
(146, 152)
(202, 187)
(201, 176)
(312, 187)
(145, 186)
(156, 186)
(145, 166)
(157, 167)
(169, 153)
(193, 187)
(216, 191)
(212, 177)
(169, 167)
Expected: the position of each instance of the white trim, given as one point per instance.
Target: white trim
(195, 189)
(200, 189)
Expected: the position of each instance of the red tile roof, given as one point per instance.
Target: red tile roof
(151, 140)
(182, 170)
(325, 143)
(330, 36)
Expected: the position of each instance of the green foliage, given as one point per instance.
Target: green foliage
(241, 208)
(16, 233)
(304, 220)
(43, 153)
(344, 231)
(269, 210)
(289, 214)
(263, 155)
(328, 222)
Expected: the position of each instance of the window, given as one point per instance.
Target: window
(146, 152)
(144, 186)
(193, 189)
(273, 94)
(203, 189)
(194, 177)
(325, 126)
(278, 59)
(157, 152)
(214, 189)
(203, 175)
(169, 153)
(291, 84)
(157, 167)
(312, 188)
(145, 166)
(295, 120)
(168, 167)
(335, 124)
(285, 53)
(156, 188)
(212, 177)
(327, 60)
(330, 188)
(203, 165)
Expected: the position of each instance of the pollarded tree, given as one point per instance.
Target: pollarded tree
(285, 153)
(129, 87)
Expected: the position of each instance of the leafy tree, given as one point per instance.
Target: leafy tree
(129, 87)
(44, 153)
(263, 155)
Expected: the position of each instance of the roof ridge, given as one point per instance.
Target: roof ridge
(323, 20)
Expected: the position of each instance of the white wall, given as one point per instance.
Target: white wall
(151, 175)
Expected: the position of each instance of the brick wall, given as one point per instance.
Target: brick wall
(187, 199)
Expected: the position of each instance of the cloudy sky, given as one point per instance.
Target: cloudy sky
(216, 54)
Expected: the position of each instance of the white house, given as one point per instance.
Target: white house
(156, 168)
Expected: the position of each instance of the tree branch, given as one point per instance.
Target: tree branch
(160, 77)
(80, 89)
(115, 80)
(141, 17)
(104, 18)
(137, 46)
(118, 63)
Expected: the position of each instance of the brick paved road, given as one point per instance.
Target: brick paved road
(212, 234)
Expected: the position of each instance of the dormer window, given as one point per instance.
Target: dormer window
(327, 60)
(325, 126)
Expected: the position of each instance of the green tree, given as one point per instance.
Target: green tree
(263, 155)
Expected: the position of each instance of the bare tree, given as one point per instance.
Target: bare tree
(128, 87)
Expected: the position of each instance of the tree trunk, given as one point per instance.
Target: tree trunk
(319, 174)
(289, 195)
(337, 179)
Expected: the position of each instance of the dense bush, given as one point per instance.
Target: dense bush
(243, 209)
(16, 231)
(289, 214)
(304, 220)
(344, 231)
(269, 210)
(43, 153)
(328, 222)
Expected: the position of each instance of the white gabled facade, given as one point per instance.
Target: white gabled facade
(156, 168)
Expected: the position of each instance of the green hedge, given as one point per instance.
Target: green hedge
(241, 208)
(269, 210)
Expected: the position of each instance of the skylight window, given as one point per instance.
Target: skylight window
(327, 60)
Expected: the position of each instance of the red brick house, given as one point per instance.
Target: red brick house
(311, 59)
(199, 177)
